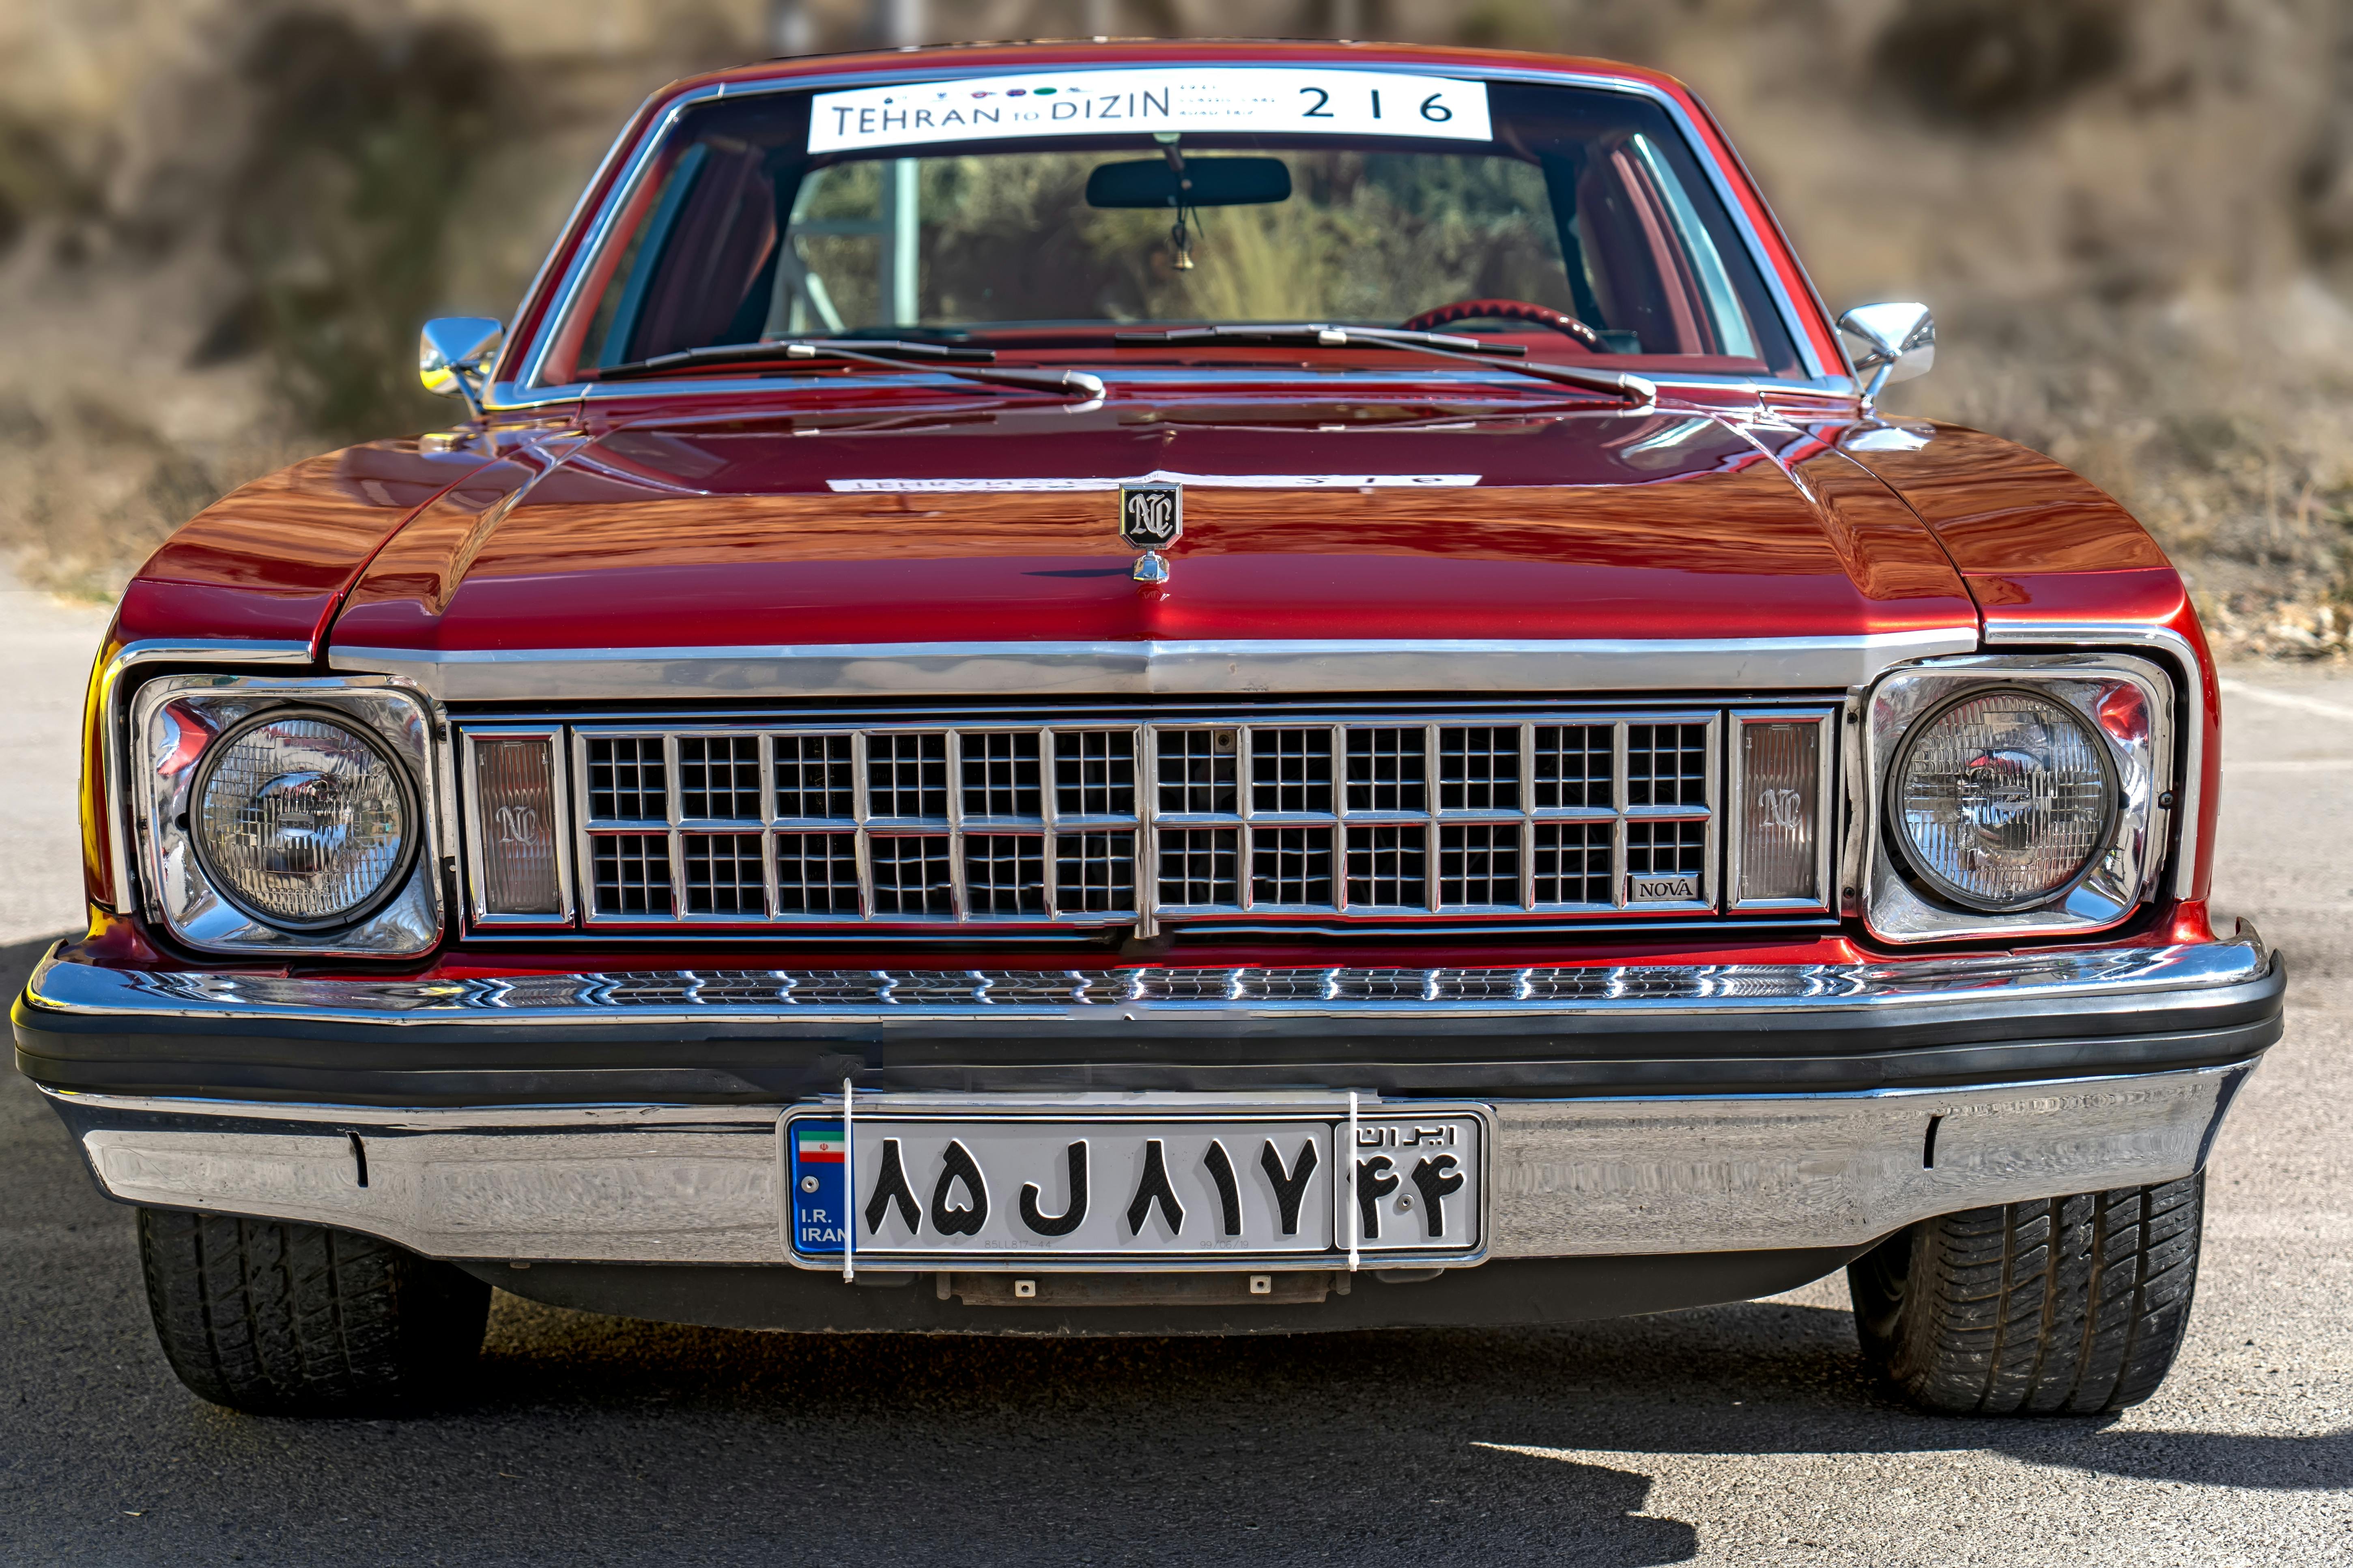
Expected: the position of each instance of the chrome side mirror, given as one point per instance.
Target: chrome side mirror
(454, 356)
(1898, 342)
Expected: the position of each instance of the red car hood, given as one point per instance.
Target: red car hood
(1001, 528)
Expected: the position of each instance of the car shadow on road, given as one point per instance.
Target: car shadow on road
(1482, 1444)
(1749, 1378)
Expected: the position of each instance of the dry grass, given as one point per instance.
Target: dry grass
(88, 491)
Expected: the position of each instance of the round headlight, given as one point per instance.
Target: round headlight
(302, 819)
(2002, 798)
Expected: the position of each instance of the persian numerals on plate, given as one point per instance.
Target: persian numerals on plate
(1208, 1188)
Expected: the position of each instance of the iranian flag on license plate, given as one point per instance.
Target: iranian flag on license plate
(820, 1145)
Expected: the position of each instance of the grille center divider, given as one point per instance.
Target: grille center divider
(1095, 822)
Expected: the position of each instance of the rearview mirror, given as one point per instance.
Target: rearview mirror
(454, 355)
(1203, 183)
(1898, 342)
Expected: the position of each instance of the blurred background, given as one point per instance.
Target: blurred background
(222, 220)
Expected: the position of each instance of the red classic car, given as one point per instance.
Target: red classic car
(1175, 688)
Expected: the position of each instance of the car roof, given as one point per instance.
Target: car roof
(1149, 51)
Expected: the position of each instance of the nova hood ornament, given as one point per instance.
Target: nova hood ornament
(1151, 519)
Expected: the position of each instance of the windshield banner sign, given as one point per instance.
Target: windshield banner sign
(1223, 98)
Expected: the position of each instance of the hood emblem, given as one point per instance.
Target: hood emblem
(1151, 519)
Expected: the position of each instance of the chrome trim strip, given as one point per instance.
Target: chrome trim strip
(2190, 691)
(112, 718)
(527, 390)
(1607, 1176)
(1078, 996)
(1254, 668)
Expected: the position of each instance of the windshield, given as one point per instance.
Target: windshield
(1013, 212)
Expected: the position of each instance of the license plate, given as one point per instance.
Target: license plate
(1153, 1187)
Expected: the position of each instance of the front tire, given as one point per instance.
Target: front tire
(276, 1319)
(2072, 1306)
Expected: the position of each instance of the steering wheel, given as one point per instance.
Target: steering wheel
(1509, 310)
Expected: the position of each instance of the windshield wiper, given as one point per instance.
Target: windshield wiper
(1445, 345)
(890, 352)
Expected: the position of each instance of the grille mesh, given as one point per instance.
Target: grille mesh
(1388, 867)
(1386, 770)
(1479, 864)
(1094, 873)
(817, 873)
(627, 780)
(723, 875)
(1199, 867)
(912, 876)
(632, 871)
(1001, 777)
(1291, 865)
(1107, 824)
(815, 778)
(1479, 769)
(719, 776)
(1094, 773)
(1572, 863)
(1666, 765)
(907, 776)
(1197, 770)
(1291, 770)
(1574, 766)
(1005, 874)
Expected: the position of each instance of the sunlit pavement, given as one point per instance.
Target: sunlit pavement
(1734, 1435)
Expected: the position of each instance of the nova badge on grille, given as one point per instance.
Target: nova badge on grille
(1151, 519)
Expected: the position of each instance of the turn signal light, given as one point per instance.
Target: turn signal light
(1780, 784)
(514, 783)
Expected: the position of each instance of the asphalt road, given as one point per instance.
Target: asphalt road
(1734, 1435)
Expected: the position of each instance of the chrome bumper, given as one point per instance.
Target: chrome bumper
(1066, 1001)
(1588, 1177)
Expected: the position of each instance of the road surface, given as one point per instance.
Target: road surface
(1741, 1435)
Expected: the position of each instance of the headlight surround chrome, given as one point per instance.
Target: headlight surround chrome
(300, 819)
(2121, 706)
(201, 869)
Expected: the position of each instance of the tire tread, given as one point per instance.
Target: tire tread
(268, 1317)
(2073, 1305)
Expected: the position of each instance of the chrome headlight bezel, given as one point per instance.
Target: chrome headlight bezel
(1899, 906)
(405, 787)
(176, 724)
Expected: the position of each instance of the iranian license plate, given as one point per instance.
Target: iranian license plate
(1156, 1187)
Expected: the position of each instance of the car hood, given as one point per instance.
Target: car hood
(997, 528)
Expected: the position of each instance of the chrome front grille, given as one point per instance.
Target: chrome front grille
(1114, 821)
